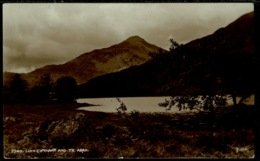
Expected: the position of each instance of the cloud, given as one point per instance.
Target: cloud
(35, 35)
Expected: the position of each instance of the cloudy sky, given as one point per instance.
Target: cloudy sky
(35, 35)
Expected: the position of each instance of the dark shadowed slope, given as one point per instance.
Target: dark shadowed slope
(193, 68)
(237, 37)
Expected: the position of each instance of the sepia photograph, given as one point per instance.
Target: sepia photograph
(128, 80)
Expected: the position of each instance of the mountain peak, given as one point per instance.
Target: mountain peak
(133, 51)
(134, 39)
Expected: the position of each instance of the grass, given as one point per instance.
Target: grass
(136, 135)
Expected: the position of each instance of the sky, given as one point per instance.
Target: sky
(35, 35)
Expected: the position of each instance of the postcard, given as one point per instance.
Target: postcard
(128, 80)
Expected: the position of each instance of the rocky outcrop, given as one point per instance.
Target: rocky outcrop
(63, 133)
(72, 131)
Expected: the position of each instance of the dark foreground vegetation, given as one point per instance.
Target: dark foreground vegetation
(30, 131)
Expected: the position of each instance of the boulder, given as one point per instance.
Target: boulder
(68, 131)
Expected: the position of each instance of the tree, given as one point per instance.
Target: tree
(157, 54)
(18, 90)
(239, 75)
(6, 94)
(211, 96)
(66, 89)
(122, 107)
(198, 85)
(174, 45)
(47, 86)
(205, 103)
(43, 91)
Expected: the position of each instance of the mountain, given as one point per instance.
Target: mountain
(237, 37)
(7, 77)
(131, 52)
(193, 68)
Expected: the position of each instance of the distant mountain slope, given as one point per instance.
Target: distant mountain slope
(7, 77)
(227, 54)
(131, 52)
(237, 37)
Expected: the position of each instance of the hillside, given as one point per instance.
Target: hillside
(7, 77)
(237, 37)
(131, 52)
(193, 68)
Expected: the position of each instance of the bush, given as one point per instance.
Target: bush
(107, 132)
(122, 140)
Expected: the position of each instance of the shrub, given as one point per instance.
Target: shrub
(107, 132)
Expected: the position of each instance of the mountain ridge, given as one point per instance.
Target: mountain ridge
(228, 53)
(225, 35)
(130, 52)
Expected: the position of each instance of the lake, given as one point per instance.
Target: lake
(141, 104)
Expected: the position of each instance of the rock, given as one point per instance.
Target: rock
(10, 119)
(79, 116)
(51, 126)
(66, 131)
(29, 131)
(24, 141)
(68, 127)
(62, 133)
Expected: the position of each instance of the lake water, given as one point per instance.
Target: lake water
(141, 104)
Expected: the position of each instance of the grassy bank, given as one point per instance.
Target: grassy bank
(31, 130)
